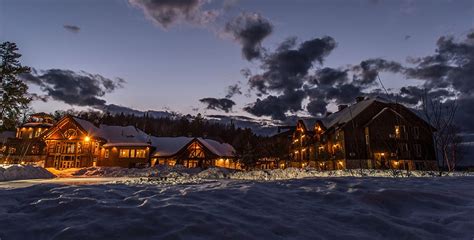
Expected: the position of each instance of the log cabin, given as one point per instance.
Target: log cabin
(371, 133)
(26, 145)
(75, 143)
(193, 152)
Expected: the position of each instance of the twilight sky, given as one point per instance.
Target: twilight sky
(166, 54)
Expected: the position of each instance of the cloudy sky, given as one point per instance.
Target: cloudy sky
(266, 59)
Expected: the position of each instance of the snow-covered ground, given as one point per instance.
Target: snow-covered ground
(314, 208)
(17, 172)
(181, 173)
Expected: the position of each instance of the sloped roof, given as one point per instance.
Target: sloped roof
(165, 146)
(309, 123)
(115, 135)
(123, 136)
(220, 149)
(168, 146)
(37, 124)
(350, 112)
(88, 126)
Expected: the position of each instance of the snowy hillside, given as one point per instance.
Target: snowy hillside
(325, 208)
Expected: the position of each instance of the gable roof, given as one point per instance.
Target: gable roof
(115, 135)
(220, 149)
(380, 113)
(169, 146)
(131, 136)
(349, 113)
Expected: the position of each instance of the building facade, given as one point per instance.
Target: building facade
(372, 133)
(193, 152)
(26, 144)
(75, 143)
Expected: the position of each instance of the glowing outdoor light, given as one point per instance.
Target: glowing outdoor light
(87, 139)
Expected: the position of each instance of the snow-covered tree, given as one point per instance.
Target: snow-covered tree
(14, 98)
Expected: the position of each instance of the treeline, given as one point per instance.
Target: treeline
(249, 146)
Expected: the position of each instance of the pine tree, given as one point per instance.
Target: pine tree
(14, 98)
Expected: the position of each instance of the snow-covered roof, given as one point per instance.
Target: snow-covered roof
(88, 126)
(220, 149)
(37, 124)
(168, 146)
(115, 135)
(350, 112)
(5, 135)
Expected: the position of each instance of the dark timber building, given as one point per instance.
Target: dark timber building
(372, 133)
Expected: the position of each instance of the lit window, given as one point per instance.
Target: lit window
(132, 153)
(140, 153)
(124, 153)
(397, 131)
(106, 154)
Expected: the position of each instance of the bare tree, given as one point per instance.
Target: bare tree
(440, 115)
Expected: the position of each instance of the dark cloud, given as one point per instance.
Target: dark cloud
(329, 76)
(277, 106)
(284, 73)
(249, 29)
(223, 104)
(449, 75)
(367, 71)
(317, 107)
(407, 37)
(72, 28)
(451, 67)
(167, 12)
(81, 89)
(287, 67)
(233, 90)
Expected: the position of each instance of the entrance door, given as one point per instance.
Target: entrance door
(381, 161)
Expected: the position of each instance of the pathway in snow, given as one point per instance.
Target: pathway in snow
(334, 208)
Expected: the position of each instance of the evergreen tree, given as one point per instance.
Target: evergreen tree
(14, 98)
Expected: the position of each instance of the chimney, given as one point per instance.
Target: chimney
(360, 98)
(328, 113)
(342, 106)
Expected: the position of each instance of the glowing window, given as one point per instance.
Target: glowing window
(195, 151)
(140, 153)
(397, 131)
(124, 153)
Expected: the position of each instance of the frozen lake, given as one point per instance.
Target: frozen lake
(322, 208)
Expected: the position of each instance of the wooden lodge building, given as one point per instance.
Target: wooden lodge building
(372, 133)
(74, 143)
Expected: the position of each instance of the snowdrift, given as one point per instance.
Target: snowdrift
(18, 172)
(323, 208)
(168, 173)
